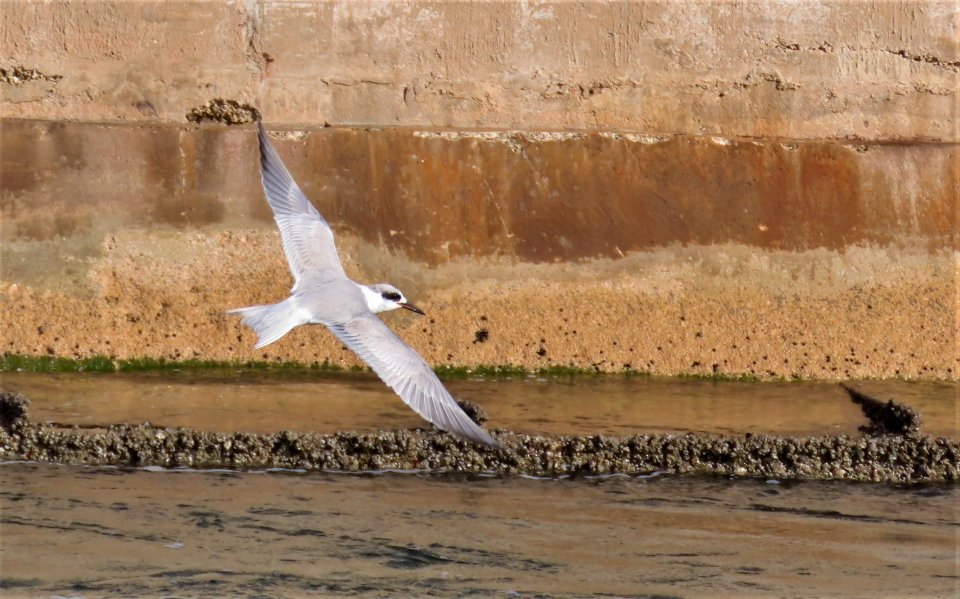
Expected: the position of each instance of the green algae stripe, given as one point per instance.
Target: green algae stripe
(22, 363)
(18, 363)
(15, 363)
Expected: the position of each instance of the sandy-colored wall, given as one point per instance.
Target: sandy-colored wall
(764, 188)
(818, 69)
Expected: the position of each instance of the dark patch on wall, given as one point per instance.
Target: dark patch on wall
(34, 155)
(204, 156)
(189, 169)
(68, 147)
(18, 153)
(535, 197)
(806, 197)
(162, 160)
(943, 210)
(180, 211)
(599, 196)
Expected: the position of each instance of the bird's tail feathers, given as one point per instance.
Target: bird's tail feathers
(269, 322)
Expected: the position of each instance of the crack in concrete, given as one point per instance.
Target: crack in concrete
(824, 46)
(258, 60)
(924, 88)
(18, 75)
(950, 65)
(755, 78)
(353, 82)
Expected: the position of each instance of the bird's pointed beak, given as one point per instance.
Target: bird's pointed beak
(413, 308)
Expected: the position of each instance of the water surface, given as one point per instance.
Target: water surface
(95, 532)
(107, 532)
(265, 402)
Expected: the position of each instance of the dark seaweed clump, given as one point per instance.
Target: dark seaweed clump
(885, 418)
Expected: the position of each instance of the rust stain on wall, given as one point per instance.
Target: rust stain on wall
(590, 195)
(536, 197)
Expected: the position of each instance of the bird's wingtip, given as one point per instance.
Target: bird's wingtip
(487, 440)
(494, 444)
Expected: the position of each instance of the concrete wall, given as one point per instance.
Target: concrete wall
(818, 69)
(764, 188)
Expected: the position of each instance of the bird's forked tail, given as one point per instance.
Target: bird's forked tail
(269, 322)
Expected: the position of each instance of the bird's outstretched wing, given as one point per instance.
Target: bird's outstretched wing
(405, 372)
(307, 238)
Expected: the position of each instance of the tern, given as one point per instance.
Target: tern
(323, 294)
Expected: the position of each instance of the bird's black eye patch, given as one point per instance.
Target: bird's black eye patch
(393, 296)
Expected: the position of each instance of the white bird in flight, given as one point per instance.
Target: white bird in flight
(323, 294)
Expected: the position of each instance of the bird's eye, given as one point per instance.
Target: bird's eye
(393, 296)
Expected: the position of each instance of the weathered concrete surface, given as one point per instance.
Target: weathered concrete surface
(811, 260)
(881, 70)
(764, 188)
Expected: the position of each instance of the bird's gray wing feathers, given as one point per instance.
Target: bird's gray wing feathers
(405, 372)
(307, 238)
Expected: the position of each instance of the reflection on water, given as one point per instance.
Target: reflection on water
(265, 402)
(937, 401)
(95, 532)
(325, 403)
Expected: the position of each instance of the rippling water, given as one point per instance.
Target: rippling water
(101, 532)
(108, 532)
